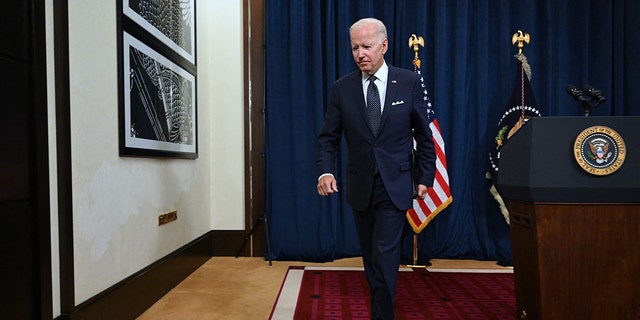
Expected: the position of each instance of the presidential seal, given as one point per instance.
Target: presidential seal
(599, 150)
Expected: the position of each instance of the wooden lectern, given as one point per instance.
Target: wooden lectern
(575, 235)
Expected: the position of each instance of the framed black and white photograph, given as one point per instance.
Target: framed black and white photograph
(158, 109)
(170, 21)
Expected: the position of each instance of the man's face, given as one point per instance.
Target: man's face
(368, 51)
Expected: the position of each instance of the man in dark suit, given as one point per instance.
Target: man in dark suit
(379, 154)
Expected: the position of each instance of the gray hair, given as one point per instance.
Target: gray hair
(382, 30)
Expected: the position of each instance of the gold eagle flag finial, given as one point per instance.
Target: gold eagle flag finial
(414, 41)
(520, 37)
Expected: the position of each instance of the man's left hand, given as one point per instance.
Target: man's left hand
(422, 192)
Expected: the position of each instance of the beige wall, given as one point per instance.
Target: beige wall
(221, 88)
(117, 200)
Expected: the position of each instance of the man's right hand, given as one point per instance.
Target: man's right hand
(327, 185)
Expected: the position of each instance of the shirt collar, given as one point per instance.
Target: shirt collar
(382, 74)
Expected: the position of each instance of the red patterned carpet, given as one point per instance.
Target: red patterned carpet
(342, 294)
(310, 293)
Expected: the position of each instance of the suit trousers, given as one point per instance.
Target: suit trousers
(380, 231)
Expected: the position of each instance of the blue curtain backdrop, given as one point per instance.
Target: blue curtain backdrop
(469, 65)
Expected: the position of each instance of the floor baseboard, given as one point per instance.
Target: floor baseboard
(229, 242)
(130, 297)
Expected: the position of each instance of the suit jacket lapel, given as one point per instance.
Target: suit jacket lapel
(392, 89)
(358, 97)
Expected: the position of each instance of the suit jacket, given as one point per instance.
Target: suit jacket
(404, 119)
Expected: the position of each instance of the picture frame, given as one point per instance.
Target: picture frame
(157, 18)
(158, 103)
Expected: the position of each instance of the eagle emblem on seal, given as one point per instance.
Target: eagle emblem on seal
(600, 150)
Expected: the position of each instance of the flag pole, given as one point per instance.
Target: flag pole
(415, 254)
(414, 41)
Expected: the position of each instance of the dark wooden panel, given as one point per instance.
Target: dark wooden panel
(18, 298)
(14, 131)
(576, 261)
(255, 145)
(15, 30)
(525, 256)
(227, 242)
(63, 154)
(25, 242)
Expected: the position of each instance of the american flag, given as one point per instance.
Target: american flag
(438, 197)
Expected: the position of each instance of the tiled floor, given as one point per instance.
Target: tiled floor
(246, 288)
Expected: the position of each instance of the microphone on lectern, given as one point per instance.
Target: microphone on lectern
(585, 96)
(577, 94)
(594, 93)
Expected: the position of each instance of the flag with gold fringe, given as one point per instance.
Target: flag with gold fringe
(520, 108)
(438, 197)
